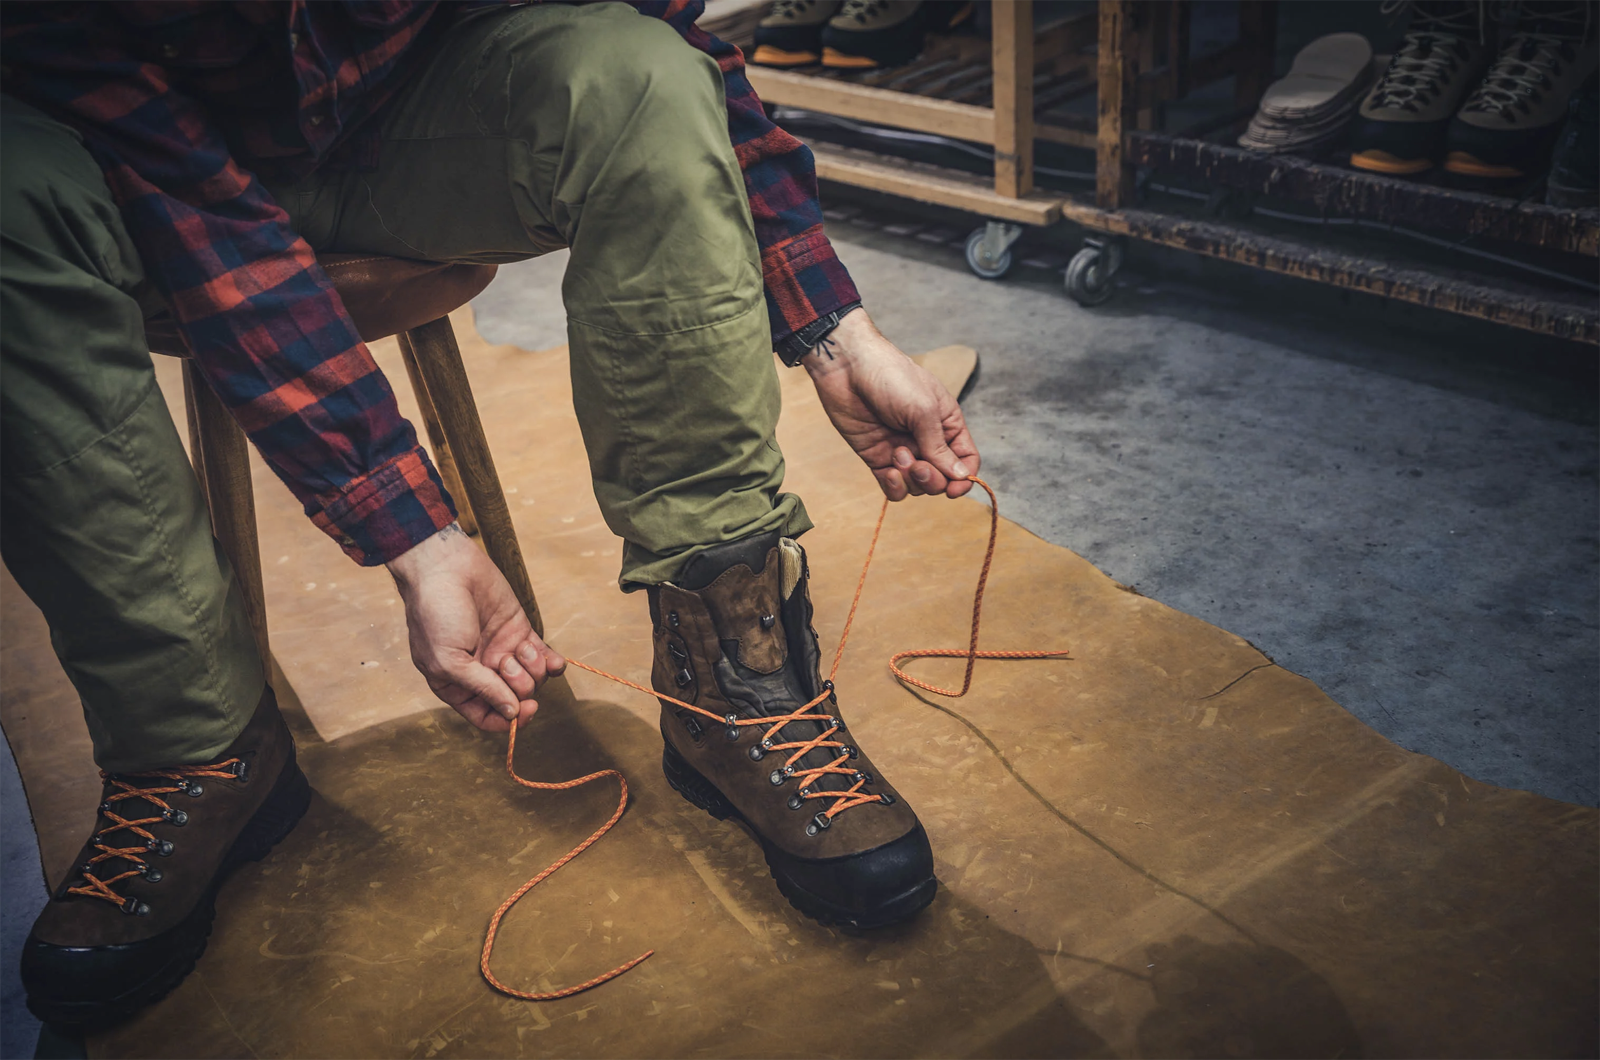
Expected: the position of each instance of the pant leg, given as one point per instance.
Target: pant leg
(102, 522)
(600, 129)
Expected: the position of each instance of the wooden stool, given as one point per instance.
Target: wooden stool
(384, 296)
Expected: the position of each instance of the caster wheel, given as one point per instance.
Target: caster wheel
(979, 261)
(1089, 276)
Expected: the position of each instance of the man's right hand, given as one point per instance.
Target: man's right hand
(469, 635)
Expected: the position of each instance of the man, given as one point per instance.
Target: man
(198, 156)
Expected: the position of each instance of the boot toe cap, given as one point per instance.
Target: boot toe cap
(870, 888)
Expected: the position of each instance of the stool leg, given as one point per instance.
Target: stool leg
(442, 456)
(438, 360)
(222, 457)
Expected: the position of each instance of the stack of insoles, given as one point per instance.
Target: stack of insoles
(1309, 108)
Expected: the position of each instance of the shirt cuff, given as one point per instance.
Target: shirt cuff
(387, 511)
(805, 280)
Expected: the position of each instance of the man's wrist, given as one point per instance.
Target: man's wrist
(409, 562)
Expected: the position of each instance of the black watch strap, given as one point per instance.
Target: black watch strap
(797, 344)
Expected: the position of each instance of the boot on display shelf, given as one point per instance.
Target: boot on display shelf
(1504, 132)
(1400, 127)
(790, 33)
(869, 34)
(1575, 166)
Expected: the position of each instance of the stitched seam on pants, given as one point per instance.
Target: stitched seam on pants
(119, 425)
(759, 304)
(164, 543)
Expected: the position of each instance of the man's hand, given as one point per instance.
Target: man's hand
(899, 419)
(469, 636)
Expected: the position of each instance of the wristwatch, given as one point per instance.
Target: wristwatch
(797, 344)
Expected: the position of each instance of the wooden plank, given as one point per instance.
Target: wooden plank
(445, 380)
(1568, 319)
(1339, 192)
(943, 187)
(1258, 38)
(962, 121)
(231, 498)
(1117, 69)
(1065, 134)
(1013, 98)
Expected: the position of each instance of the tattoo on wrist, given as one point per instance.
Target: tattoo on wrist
(824, 347)
(451, 530)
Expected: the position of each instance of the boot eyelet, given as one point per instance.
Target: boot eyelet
(684, 678)
(162, 847)
(812, 829)
(863, 778)
(776, 777)
(766, 745)
(805, 792)
(767, 621)
(852, 752)
(105, 808)
(693, 726)
(175, 817)
(886, 798)
(150, 873)
(820, 823)
(827, 686)
(240, 771)
(194, 789)
(677, 653)
(795, 802)
(756, 753)
(134, 907)
(672, 619)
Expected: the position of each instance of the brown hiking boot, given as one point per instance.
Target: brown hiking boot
(733, 637)
(133, 916)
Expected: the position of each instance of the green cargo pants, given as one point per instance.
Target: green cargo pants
(532, 129)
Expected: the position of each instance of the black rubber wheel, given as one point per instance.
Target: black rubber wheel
(1088, 279)
(980, 263)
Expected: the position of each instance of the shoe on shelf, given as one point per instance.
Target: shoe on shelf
(1575, 167)
(1400, 127)
(870, 34)
(1309, 107)
(1505, 130)
(133, 916)
(733, 636)
(790, 33)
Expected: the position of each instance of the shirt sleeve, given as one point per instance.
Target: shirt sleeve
(804, 278)
(263, 321)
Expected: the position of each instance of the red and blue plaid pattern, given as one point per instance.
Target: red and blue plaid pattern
(146, 82)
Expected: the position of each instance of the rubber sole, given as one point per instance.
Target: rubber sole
(1374, 161)
(767, 55)
(271, 823)
(700, 792)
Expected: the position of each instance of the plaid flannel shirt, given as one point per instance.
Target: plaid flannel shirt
(171, 95)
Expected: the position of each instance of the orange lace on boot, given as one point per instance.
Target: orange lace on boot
(94, 886)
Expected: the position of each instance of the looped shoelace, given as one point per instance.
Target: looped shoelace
(1417, 69)
(1524, 70)
(95, 887)
(843, 800)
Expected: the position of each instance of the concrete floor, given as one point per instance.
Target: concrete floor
(1395, 503)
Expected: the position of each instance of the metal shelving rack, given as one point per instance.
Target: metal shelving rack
(1133, 55)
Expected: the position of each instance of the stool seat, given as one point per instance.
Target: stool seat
(384, 296)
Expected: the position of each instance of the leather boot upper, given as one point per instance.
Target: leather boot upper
(740, 643)
(193, 829)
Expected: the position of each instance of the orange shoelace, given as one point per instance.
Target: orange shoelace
(95, 887)
(842, 800)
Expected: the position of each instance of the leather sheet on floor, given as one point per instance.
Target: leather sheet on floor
(1165, 845)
